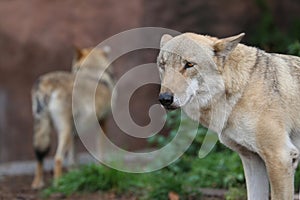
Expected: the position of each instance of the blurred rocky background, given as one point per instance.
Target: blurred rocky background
(37, 36)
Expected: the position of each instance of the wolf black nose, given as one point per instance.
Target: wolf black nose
(166, 99)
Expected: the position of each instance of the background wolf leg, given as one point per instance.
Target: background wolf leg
(65, 142)
(41, 143)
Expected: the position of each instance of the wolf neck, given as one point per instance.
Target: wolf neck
(99, 76)
(236, 70)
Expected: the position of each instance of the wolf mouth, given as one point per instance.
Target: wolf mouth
(174, 107)
(171, 107)
(187, 101)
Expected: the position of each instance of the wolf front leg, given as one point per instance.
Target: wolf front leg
(281, 172)
(280, 157)
(256, 176)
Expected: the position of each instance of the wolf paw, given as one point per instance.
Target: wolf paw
(37, 184)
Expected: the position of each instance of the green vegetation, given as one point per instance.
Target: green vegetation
(220, 169)
(270, 37)
(217, 171)
(294, 48)
(93, 178)
(236, 194)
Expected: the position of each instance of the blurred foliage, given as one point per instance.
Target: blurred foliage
(267, 34)
(221, 168)
(93, 178)
(147, 186)
(294, 48)
(236, 194)
(175, 119)
(166, 182)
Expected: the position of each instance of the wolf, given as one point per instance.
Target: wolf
(52, 106)
(249, 97)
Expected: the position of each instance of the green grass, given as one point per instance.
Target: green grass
(220, 169)
(148, 186)
(183, 177)
(236, 193)
(217, 170)
(91, 178)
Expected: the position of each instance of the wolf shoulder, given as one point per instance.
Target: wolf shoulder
(290, 61)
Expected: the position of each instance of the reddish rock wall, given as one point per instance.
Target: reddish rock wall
(36, 36)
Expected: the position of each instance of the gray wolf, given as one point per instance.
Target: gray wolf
(52, 106)
(246, 95)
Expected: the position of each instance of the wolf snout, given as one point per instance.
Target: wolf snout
(166, 99)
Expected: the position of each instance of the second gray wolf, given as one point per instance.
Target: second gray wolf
(52, 106)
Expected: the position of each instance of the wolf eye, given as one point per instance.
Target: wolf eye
(161, 65)
(188, 65)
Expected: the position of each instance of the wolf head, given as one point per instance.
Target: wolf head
(190, 69)
(90, 59)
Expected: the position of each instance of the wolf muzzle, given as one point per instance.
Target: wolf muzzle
(166, 99)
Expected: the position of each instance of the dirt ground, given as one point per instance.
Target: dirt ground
(18, 188)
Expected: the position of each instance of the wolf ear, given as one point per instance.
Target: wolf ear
(78, 52)
(106, 50)
(164, 39)
(224, 46)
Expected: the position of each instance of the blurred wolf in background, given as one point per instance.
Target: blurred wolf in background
(52, 106)
(249, 97)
